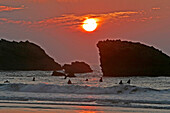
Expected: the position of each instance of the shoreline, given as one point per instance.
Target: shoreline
(81, 109)
(39, 108)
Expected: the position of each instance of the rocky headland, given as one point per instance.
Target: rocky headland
(124, 58)
(25, 56)
(55, 73)
(77, 67)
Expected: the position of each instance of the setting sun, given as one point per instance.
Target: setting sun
(89, 25)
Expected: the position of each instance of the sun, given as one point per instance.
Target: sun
(90, 25)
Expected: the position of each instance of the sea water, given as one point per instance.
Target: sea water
(143, 92)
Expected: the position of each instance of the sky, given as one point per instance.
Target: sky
(56, 25)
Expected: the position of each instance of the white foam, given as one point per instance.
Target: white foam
(75, 89)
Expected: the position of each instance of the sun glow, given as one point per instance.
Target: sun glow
(90, 25)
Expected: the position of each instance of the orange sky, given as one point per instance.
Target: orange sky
(55, 25)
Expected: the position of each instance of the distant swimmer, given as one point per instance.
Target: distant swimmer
(128, 81)
(87, 80)
(65, 77)
(33, 79)
(121, 82)
(101, 79)
(69, 82)
(6, 81)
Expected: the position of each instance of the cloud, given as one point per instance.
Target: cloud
(8, 8)
(156, 8)
(75, 21)
(10, 21)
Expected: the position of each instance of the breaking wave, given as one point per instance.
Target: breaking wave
(75, 89)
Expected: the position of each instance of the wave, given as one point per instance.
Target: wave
(76, 89)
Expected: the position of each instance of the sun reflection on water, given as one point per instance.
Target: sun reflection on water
(89, 109)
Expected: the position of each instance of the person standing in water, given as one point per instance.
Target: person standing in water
(121, 82)
(69, 82)
(33, 79)
(101, 79)
(128, 81)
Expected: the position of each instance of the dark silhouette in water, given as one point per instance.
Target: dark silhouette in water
(71, 74)
(33, 79)
(128, 81)
(7, 81)
(55, 73)
(69, 82)
(86, 80)
(101, 79)
(65, 77)
(121, 82)
(77, 67)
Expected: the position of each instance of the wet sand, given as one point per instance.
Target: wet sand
(15, 108)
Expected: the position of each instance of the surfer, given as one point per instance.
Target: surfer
(33, 79)
(65, 77)
(7, 81)
(101, 79)
(128, 81)
(121, 82)
(69, 82)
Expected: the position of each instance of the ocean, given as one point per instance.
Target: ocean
(47, 91)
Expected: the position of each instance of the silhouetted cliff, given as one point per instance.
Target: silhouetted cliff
(24, 56)
(123, 58)
(77, 67)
